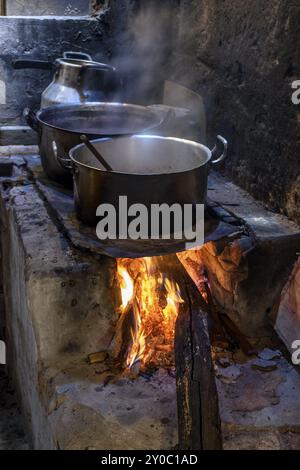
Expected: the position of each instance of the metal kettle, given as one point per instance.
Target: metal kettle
(77, 79)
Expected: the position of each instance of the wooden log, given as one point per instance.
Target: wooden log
(2, 8)
(197, 398)
(199, 424)
(122, 339)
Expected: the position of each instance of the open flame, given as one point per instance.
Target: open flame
(152, 299)
(126, 286)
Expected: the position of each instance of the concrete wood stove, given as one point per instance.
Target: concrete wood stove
(60, 305)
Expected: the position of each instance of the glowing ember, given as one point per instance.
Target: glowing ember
(153, 300)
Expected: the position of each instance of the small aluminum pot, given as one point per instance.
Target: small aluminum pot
(147, 169)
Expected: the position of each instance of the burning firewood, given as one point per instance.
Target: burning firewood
(97, 357)
(163, 347)
(150, 301)
(122, 338)
(197, 399)
(224, 330)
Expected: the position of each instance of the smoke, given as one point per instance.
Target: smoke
(144, 49)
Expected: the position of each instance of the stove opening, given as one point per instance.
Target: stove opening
(151, 300)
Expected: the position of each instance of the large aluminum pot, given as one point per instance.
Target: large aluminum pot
(60, 127)
(147, 169)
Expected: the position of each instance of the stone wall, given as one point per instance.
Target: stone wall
(126, 33)
(242, 57)
(54, 7)
(42, 38)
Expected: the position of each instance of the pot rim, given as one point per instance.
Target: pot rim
(157, 119)
(143, 136)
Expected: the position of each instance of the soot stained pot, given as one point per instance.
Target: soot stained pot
(60, 126)
(147, 169)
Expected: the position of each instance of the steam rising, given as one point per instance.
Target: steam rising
(145, 50)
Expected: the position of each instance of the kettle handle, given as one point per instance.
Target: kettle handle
(76, 55)
(100, 66)
(32, 64)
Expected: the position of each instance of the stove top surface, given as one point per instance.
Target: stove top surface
(84, 236)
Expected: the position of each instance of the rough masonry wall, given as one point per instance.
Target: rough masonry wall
(242, 56)
(45, 39)
(44, 7)
(134, 35)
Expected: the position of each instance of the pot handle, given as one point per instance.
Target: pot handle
(165, 118)
(31, 119)
(76, 55)
(65, 163)
(219, 152)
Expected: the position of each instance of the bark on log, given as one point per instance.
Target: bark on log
(2, 8)
(197, 398)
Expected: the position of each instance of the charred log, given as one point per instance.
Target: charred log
(197, 399)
